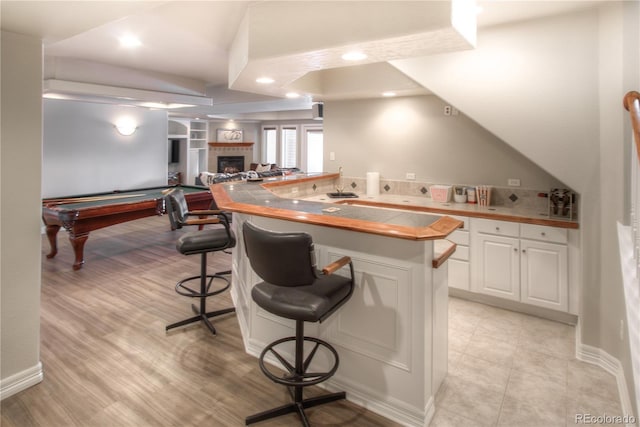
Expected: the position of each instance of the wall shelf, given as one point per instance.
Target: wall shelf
(231, 144)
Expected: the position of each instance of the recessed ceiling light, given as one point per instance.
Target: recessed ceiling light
(264, 80)
(130, 41)
(293, 95)
(354, 56)
(388, 94)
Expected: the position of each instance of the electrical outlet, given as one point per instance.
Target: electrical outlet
(410, 175)
(513, 182)
(447, 110)
(332, 155)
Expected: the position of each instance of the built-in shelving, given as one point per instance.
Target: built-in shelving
(193, 137)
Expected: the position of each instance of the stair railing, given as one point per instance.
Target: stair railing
(631, 103)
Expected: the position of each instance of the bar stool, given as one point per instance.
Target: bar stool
(294, 289)
(202, 242)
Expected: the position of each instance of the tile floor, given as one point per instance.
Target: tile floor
(511, 369)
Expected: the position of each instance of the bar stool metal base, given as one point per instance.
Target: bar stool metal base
(205, 291)
(298, 407)
(298, 377)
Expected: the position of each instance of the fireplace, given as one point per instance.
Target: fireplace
(230, 164)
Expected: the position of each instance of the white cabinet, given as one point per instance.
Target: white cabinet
(544, 274)
(497, 260)
(520, 262)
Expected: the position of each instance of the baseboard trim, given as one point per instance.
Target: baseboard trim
(393, 410)
(601, 358)
(21, 381)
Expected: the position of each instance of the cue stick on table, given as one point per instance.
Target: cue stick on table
(92, 198)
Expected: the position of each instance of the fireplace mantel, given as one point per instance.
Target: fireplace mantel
(231, 144)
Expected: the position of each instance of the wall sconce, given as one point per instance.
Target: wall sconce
(126, 126)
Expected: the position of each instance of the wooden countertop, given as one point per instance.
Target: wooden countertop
(502, 214)
(254, 198)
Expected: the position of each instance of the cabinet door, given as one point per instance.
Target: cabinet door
(497, 263)
(544, 274)
(458, 274)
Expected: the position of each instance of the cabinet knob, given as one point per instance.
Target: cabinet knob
(524, 251)
(543, 234)
(515, 249)
(497, 228)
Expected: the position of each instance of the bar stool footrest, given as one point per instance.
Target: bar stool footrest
(184, 290)
(291, 379)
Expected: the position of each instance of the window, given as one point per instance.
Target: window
(289, 138)
(313, 146)
(281, 145)
(270, 144)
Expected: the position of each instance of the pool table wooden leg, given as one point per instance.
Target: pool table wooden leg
(77, 242)
(52, 233)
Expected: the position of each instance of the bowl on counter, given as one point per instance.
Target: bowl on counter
(460, 198)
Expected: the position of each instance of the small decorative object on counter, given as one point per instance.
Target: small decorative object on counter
(440, 193)
(471, 194)
(562, 203)
(460, 194)
(483, 195)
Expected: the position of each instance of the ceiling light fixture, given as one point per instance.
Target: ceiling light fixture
(293, 95)
(264, 80)
(388, 94)
(130, 41)
(354, 56)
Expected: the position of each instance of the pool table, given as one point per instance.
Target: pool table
(82, 214)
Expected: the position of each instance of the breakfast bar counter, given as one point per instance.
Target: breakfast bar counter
(392, 334)
(256, 198)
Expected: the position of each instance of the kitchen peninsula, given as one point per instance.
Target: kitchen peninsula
(392, 335)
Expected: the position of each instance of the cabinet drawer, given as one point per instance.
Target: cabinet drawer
(500, 228)
(459, 237)
(461, 253)
(544, 233)
(464, 219)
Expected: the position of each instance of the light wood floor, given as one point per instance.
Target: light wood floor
(108, 361)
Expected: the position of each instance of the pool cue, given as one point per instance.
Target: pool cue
(92, 198)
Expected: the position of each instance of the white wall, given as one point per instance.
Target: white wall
(533, 85)
(20, 212)
(619, 71)
(83, 152)
(394, 136)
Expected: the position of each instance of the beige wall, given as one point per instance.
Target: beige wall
(552, 89)
(411, 134)
(20, 208)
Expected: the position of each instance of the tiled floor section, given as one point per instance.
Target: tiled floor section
(513, 370)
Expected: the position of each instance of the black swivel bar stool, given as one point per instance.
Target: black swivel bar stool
(202, 242)
(294, 289)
